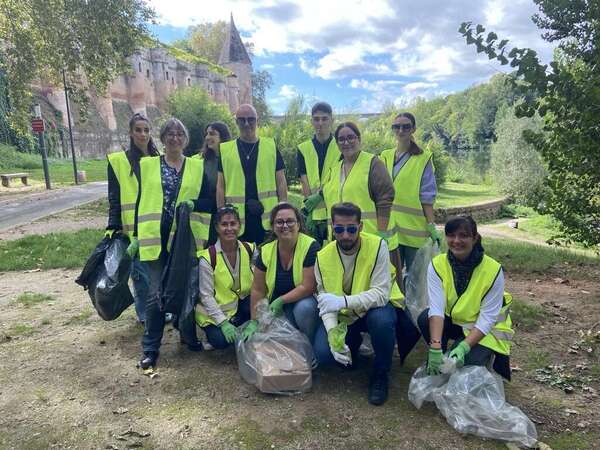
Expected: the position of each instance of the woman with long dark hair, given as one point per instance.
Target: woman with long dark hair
(467, 303)
(123, 185)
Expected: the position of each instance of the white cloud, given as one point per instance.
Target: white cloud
(419, 85)
(267, 66)
(494, 12)
(288, 91)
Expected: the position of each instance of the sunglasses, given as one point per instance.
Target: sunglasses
(350, 229)
(246, 120)
(402, 126)
(228, 207)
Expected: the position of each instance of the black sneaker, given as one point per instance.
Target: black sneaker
(378, 388)
(148, 360)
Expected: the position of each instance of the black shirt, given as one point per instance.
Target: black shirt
(248, 153)
(321, 154)
(207, 199)
(284, 279)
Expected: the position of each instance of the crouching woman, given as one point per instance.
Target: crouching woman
(467, 304)
(225, 281)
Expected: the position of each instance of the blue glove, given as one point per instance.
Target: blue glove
(329, 303)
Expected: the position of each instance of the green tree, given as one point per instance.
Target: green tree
(261, 83)
(204, 40)
(566, 95)
(89, 40)
(196, 110)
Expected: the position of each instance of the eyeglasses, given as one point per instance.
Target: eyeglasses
(246, 120)
(349, 139)
(289, 222)
(402, 126)
(350, 229)
(176, 135)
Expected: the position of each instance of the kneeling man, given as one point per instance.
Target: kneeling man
(356, 291)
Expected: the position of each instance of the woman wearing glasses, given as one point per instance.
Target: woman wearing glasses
(215, 134)
(411, 169)
(284, 273)
(165, 182)
(225, 281)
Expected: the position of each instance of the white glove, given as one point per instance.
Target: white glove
(344, 357)
(330, 303)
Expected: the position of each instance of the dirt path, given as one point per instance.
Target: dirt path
(68, 380)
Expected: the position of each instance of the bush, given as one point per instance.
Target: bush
(196, 110)
(10, 158)
(517, 167)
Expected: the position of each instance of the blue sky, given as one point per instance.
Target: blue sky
(361, 55)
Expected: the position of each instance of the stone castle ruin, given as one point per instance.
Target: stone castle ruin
(155, 74)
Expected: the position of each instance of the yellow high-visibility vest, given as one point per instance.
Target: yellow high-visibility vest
(235, 180)
(227, 298)
(464, 310)
(151, 205)
(331, 268)
(128, 189)
(410, 223)
(268, 254)
(311, 160)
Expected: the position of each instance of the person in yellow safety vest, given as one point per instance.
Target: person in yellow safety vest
(284, 273)
(225, 281)
(165, 182)
(412, 170)
(123, 171)
(314, 159)
(357, 290)
(251, 176)
(467, 303)
(215, 133)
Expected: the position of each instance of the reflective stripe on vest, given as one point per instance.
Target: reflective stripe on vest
(235, 180)
(151, 204)
(268, 254)
(331, 269)
(464, 310)
(410, 223)
(311, 161)
(227, 298)
(128, 188)
(355, 189)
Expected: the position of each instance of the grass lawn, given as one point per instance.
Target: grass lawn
(459, 194)
(61, 170)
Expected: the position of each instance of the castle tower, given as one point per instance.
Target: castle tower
(235, 58)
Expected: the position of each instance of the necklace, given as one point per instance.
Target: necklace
(249, 154)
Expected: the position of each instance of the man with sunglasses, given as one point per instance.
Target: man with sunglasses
(314, 158)
(251, 176)
(356, 287)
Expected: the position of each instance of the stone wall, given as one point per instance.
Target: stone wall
(479, 211)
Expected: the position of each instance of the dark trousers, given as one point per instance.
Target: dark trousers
(215, 335)
(380, 323)
(253, 230)
(155, 318)
(478, 356)
(407, 334)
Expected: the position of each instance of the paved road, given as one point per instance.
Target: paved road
(30, 207)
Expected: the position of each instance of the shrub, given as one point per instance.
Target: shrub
(10, 158)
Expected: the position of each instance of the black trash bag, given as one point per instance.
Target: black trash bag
(106, 277)
(180, 275)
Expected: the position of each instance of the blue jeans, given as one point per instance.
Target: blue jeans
(155, 318)
(380, 323)
(215, 335)
(141, 283)
(304, 315)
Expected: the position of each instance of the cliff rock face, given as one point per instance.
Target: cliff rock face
(154, 75)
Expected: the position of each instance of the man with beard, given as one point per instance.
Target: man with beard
(357, 290)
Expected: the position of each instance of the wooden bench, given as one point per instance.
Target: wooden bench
(6, 177)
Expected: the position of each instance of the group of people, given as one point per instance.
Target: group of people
(334, 268)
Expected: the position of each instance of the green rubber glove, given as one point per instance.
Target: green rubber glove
(459, 352)
(312, 201)
(433, 233)
(309, 224)
(189, 203)
(133, 248)
(250, 329)
(434, 361)
(228, 330)
(276, 306)
(109, 233)
(337, 337)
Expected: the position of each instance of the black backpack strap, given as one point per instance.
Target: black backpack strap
(212, 253)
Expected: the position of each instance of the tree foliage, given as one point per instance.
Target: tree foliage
(566, 95)
(89, 40)
(261, 83)
(196, 110)
(204, 40)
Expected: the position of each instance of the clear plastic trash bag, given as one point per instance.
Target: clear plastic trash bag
(415, 285)
(422, 386)
(473, 402)
(278, 358)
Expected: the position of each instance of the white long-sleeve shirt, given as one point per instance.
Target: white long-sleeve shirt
(378, 293)
(490, 305)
